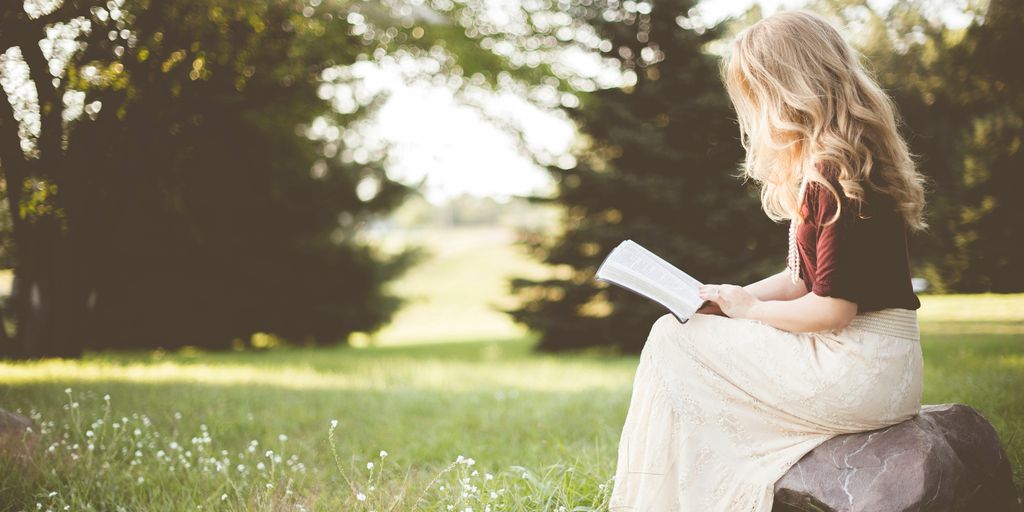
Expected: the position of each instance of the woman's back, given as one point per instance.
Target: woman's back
(863, 256)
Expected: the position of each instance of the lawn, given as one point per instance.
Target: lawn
(498, 426)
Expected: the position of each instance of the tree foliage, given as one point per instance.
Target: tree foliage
(658, 166)
(188, 206)
(658, 157)
(962, 108)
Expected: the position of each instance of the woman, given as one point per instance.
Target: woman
(723, 405)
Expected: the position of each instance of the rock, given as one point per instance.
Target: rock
(14, 433)
(11, 423)
(947, 458)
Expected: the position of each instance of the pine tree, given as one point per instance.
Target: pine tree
(660, 167)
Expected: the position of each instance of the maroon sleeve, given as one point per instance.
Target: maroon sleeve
(834, 262)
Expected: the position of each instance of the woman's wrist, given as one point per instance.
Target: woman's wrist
(777, 287)
(756, 310)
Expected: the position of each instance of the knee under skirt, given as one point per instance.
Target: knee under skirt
(721, 407)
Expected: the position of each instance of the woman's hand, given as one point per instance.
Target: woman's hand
(734, 301)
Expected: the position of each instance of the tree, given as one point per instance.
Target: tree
(658, 164)
(961, 107)
(186, 176)
(182, 209)
(987, 252)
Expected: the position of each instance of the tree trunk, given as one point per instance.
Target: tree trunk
(44, 295)
(46, 299)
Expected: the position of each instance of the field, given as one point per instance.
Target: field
(446, 393)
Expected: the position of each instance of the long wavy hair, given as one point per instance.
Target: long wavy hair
(805, 103)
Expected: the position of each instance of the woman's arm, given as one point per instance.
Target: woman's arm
(774, 287)
(777, 287)
(809, 313)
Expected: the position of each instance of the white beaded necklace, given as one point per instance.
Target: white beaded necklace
(794, 257)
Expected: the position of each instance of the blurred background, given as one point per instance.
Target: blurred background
(246, 174)
(243, 222)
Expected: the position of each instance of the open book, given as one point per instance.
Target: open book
(640, 271)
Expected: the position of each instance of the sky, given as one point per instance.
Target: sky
(455, 150)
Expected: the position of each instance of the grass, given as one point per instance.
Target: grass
(425, 405)
(465, 278)
(538, 431)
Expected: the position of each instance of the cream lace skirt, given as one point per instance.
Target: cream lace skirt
(722, 407)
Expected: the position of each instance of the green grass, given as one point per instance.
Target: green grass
(425, 405)
(457, 292)
(545, 427)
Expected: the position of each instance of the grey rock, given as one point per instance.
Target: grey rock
(16, 440)
(947, 458)
(13, 423)
(15, 437)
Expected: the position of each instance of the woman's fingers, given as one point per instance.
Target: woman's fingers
(712, 291)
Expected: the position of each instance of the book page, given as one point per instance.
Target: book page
(633, 267)
(678, 303)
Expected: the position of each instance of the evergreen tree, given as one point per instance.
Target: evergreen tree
(988, 255)
(660, 166)
(961, 105)
(186, 205)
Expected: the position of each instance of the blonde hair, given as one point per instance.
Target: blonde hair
(802, 97)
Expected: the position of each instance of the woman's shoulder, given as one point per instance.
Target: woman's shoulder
(819, 200)
(824, 201)
(830, 174)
